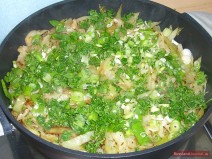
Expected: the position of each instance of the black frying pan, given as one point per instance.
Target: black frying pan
(193, 36)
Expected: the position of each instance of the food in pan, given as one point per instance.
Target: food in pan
(106, 83)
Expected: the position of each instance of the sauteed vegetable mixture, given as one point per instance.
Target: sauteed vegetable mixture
(106, 83)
